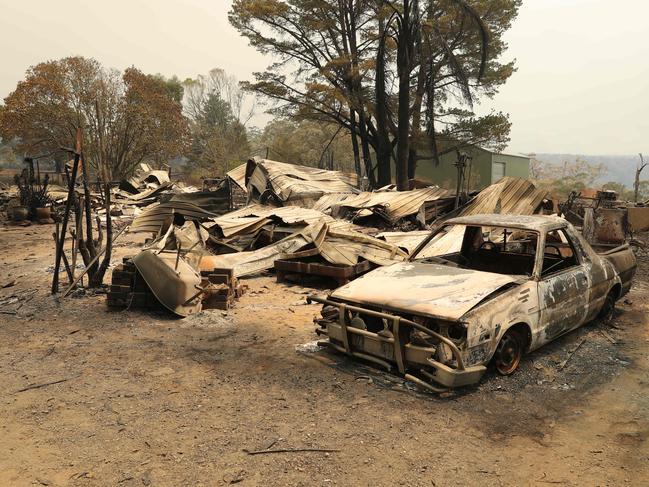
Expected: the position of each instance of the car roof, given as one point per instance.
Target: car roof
(540, 223)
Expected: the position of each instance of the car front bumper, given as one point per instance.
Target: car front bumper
(389, 351)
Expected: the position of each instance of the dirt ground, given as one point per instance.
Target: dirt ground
(142, 398)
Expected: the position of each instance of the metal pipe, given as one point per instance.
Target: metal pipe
(423, 384)
(431, 377)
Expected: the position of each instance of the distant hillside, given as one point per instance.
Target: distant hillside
(620, 169)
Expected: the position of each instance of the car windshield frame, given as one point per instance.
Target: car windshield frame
(540, 241)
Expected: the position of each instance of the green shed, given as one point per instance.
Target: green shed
(484, 168)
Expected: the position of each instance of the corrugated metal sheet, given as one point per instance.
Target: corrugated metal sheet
(145, 173)
(325, 202)
(143, 198)
(509, 195)
(391, 205)
(152, 219)
(238, 176)
(404, 240)
(253, 218)
(333, 244)
(290, 182)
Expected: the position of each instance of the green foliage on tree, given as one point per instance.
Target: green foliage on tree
(125, 118)
(628, 194)
(394, 74)
(173, 86)
(214, 105)
(561, 179)
(8, 157)
(305, 142)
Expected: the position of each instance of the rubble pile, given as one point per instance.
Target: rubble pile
(279, 183)
(296, 220)
(603, 218)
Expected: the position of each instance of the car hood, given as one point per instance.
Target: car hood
(433, 290)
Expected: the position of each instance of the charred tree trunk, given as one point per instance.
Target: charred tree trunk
(353, 133)
(636, 184)
(403, 131)
(384, 149)
(403, 110)
(353, 81)
(97, 278)
(365, 147)
(90, 242)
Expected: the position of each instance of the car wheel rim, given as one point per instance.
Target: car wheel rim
(508, 354)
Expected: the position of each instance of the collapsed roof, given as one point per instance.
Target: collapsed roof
(281, 183)
(389, 205)
(336, 245)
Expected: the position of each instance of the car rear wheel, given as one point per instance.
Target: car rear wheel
(608, 308)
(509, 352)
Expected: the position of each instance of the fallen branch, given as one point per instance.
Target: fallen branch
(290, 450)
(608, 337)
(45, 384)
(563, 364)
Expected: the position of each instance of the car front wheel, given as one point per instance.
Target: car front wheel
(509, 352)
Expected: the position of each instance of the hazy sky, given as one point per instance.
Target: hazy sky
(582, 84)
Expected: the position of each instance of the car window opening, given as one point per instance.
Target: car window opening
(499, 250)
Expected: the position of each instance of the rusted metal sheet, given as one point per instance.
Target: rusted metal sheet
(252, 218)
(405, 240)
(638, 218)
(144, 197)
(255, 261)
(390, 205)
(238, 176)
(215, 202)
(153, 218)
(292, 183)
(334, 243)
(172, 280)
(509, 195)
(146, 174)
(610, 225)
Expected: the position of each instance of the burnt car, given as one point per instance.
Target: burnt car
(478, 289)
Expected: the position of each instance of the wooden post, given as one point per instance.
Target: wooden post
(64, 225)
(55, 237)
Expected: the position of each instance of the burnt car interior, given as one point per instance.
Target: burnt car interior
(499, 250)
(558, 254)
(489, 249)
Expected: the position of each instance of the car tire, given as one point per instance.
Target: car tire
(509, 352)
(608, 308)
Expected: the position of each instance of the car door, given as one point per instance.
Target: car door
(564, 287)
